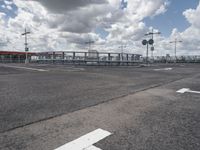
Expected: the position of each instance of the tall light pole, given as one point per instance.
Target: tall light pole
(122, 51)
(89, 44)
(175, 44)
(152, 33)
(26, 44)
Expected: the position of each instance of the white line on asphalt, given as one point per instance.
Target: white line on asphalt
(184, 90)
(86, 141)
(19, 67)
(79, 69)
(92, 148)
(165, 69)
(75, 69)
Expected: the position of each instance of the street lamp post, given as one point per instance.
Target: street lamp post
(122, 51)
(175, 46)
(89, 44)
(26, 45)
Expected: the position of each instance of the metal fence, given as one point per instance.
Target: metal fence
(88, 58)
(178, 59)
(12, 60)
(93, 58)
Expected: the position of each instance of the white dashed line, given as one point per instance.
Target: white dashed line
(164, 69)
(86, 142)
(26, 68)
(184, 90)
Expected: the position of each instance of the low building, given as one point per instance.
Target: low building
(14, 56)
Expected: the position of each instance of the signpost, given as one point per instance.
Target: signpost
(145, 42)
(152, 33)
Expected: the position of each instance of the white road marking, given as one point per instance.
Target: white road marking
(69, 69)
(184, 90)
(86, 142)
(27, 68)
(75, 69)
(92, 148)
(79, 69)
(165, 69)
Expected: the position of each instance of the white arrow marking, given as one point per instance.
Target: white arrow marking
(165, 69)
(86, 142)
(184, 90)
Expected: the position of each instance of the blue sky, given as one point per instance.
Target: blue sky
(173, 18)
(9, 13)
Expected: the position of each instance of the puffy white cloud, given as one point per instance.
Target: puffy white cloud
(191, 36)
(3, 6)
(9, 7)
(8, 2)
(162, 9)
(68, 24)
(192, 15)
(2, 16)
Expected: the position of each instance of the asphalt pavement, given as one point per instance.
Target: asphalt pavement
(46, 106)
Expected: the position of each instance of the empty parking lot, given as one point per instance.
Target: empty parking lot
(46, 106)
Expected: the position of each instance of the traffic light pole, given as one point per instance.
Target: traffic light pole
(145, 42)
(147, 53)
(152, 34)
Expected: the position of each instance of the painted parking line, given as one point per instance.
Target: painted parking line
(26, 68)
(92, 148)
(187, 90)
(163, 69)
(74, 69)
(86, 141)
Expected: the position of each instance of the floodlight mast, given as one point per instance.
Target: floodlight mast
(26, 45)
(175, 46)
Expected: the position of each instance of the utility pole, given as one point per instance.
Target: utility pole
(122, 51)
(175, 44)
(26, 44)
(152, 33)
(89, 44)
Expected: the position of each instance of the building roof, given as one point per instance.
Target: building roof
(15, 53)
